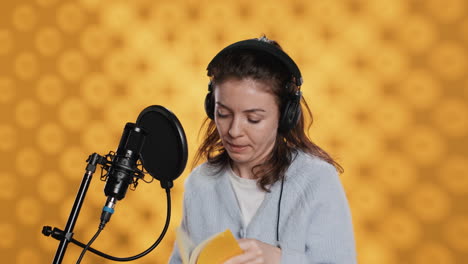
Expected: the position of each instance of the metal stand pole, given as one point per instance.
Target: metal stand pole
(92, 160)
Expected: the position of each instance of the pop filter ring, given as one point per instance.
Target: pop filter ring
(177, 129)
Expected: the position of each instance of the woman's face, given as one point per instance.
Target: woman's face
(246, 116)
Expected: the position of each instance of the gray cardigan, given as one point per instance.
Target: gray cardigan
(315, 220)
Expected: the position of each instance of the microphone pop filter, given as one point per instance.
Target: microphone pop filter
(164, 153)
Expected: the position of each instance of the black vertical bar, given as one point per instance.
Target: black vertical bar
(80, 196)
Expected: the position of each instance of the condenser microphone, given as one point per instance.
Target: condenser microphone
(123, 168)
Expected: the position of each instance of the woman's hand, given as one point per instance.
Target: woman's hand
(256, 252)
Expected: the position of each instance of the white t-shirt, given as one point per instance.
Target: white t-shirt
(249, 195)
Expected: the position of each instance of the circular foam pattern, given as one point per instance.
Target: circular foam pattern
(388, 11)
(46, 3)
(324, 10)
(420, 89)
(451, 117)
(51, 138)
(28, 256)
(418, 35)
(390, 62)
(391, 116)
(148, 94)
(423, 145)
(8, 132)
(464, 30)
(120, 113)
(452, 174)
(375, 251)
(456, 232)
(94, 41)
(9, 190)
(72, 65)
(70, 17)
(73, 163)
(402, 229)
(95, 88)
(50, 89)
(6, 41)
(24, 17)
(98, 138)
(397, 174)
(26, 66)
(51, 187)
(364, 143)
(446, 11)
(91, 4)
(118, 67)
(8, 233)
(429, 202)
(118, 17)
(332, 143)
(74, 114)
(359, 35)
(27, 113)
(432, 252)
(28, 162)
(449, 60)
(369, 201)
(49, 41)
(141, 39)
(171, 11)
(362, 91)
(28, 210)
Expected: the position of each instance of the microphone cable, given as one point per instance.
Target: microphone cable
(101, 227)
(142, 254)
(279, 212)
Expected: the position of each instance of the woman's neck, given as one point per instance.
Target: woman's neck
(243, 171)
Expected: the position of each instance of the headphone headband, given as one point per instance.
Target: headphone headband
(259, 45)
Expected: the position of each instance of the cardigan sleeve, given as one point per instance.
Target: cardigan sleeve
(330, 237)
(187, 212)
(175, 256)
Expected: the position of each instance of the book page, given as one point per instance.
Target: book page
(216, 249)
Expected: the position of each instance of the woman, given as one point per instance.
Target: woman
(264, 179)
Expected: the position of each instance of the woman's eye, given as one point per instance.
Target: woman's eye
(254, 121)
(220, 115)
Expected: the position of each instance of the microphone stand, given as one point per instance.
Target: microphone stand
(92, 160)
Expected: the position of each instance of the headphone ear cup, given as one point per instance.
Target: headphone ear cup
(209, 105)
(291, 113)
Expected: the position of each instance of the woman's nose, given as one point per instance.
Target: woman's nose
(235, 129)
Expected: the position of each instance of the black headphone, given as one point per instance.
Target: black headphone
(291, 111)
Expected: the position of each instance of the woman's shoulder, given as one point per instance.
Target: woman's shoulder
(307, 161)
(314, 179)
(307, 168)
(203, 175)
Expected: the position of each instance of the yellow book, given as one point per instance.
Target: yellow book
(214, 250)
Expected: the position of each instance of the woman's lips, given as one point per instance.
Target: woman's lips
(236, 148)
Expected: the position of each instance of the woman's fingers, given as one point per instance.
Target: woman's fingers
(255, 252)
(251, 253)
